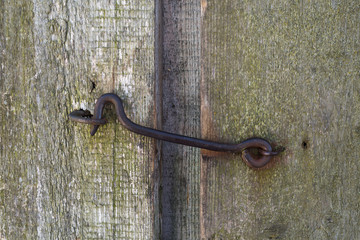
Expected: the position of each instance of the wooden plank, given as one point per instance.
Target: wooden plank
(287, 71)
(180, 165)
(56, 182)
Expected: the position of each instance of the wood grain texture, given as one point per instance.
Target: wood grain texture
(287, 71)
(180, 165)
(56, 182)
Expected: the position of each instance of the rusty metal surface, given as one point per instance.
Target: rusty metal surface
(263, 157)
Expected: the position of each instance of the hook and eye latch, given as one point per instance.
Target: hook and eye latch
(263, 157)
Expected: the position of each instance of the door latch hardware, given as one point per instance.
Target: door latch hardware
(258, 160)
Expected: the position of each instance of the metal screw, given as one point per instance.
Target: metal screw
(265, 152)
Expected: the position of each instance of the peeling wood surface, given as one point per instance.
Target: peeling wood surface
(57, 182)
(287, 71)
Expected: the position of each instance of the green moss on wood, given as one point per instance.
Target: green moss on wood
(60, 182)
(284, 71)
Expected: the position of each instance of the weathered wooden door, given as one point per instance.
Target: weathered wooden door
(225, 70)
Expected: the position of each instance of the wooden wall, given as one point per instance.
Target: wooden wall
(227, 70)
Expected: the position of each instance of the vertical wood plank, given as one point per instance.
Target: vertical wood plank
(121, 44)
(180, 165)
(56, 181)
(287, 71)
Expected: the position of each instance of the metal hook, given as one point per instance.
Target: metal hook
(263, 146)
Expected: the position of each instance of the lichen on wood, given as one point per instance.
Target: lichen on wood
(287, 71)
(56, 182)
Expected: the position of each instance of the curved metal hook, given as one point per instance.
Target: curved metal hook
(265, 150)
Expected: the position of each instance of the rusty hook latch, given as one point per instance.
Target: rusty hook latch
(263, 157)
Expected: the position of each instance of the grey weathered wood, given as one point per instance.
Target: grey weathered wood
(57, 182)
(287, 71)
(180, 165)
